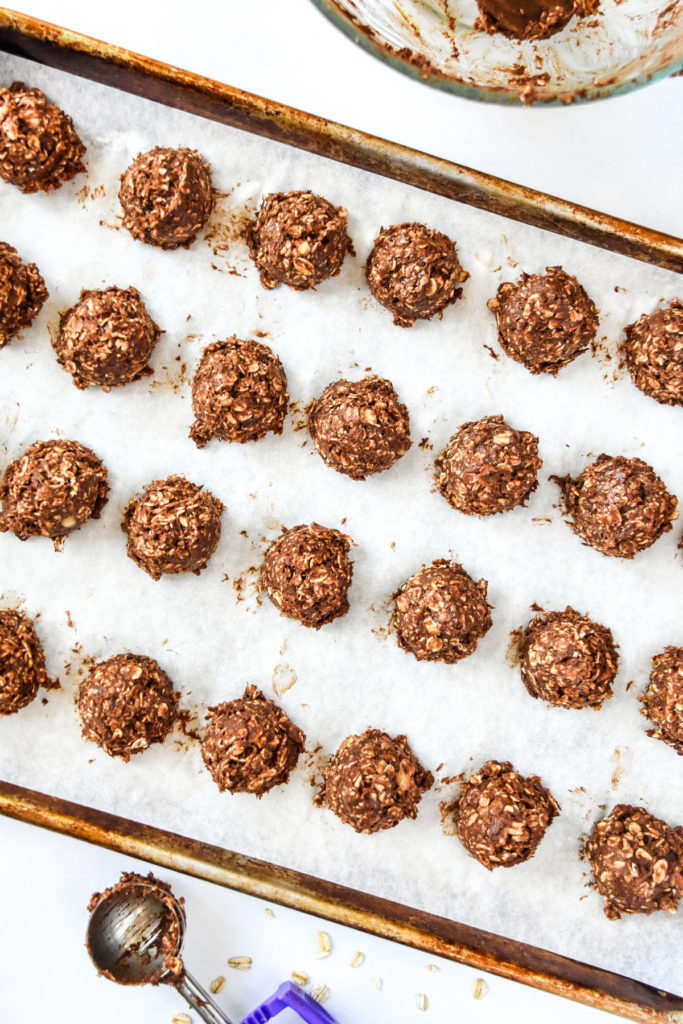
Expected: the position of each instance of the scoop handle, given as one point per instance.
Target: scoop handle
(200, 1001)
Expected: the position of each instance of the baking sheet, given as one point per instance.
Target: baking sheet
(210, 633)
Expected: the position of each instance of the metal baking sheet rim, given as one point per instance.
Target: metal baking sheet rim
(78, 54)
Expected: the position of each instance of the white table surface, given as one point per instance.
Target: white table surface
(623, 156)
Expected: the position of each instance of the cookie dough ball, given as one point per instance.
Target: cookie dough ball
(488, 467)
(374, 781)
(637, 862)
(544, 320)
(654, 353)
(167, 197)
(250, 745)
(414, 272)
(360, 428)
(106, 338)
(22, 662)
(568, 660)
(530, 19)
(619, 506)
(663, 700)
(298, 239)
(239, 393)
(441, 614)
(307, 573)
(174, 526)
(501, 816)
(39, 149)
(126, 704)
(22, 293)
(51, 490)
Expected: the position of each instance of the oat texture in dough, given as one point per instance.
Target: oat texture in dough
(373, 782)
(22, 662)
(414, 272)
(250, 745)
(239, 393)
(298, 239)
(663, 700)
(530, 19)
(166, 196)
(360, 427)
(127, 703)
(488, 467)
(440, 613)
(51, 490)
(544, 320)
(568, 660)
(174, 526)
(619, 506)
(637, 862)
(22, 293)
(39, 149)
(501, 816)
(654, 353)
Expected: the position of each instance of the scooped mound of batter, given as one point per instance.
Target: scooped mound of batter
(441, 614)
(619, 506)
(544, 320)
(488, 467)
(22, 662)
(250, 744)
(501, 816)
(298, 239)
(22, 293)
(307, 573)
(414, 272)
(107, 338)
(654, 353)
(373, 782)
(39, 149)
(173, 527)
(52, 490)
(166, 196)
(637, 862)
(126, 704)
(530, 19)
(359, 427)
(663, 700)
(239, 393)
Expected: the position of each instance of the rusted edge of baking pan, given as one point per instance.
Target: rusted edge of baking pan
(436, 935)
(80, 55)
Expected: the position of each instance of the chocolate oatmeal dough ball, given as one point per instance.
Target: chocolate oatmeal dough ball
(441, 614)
(619, 506)
(501, 816)
(568, 660)
(488, 467)
(544, 320)
(39, 149)
(637, 862)
(126, 704)
(22, 293)
(298, 239)
(663, 700)
(239, 393)
(359, 427)
(414, 272)
(250, 745)
(530, 19)
(654, 353)
(106, 338)
(307, 573)
(51, 490)
(373, 782)
(173, 527)
(167, 197)
(22, 662)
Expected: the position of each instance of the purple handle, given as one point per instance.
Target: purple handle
(293, 996)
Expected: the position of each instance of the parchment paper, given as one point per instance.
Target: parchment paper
(210, 633)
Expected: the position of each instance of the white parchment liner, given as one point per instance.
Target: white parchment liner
(350, 674)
